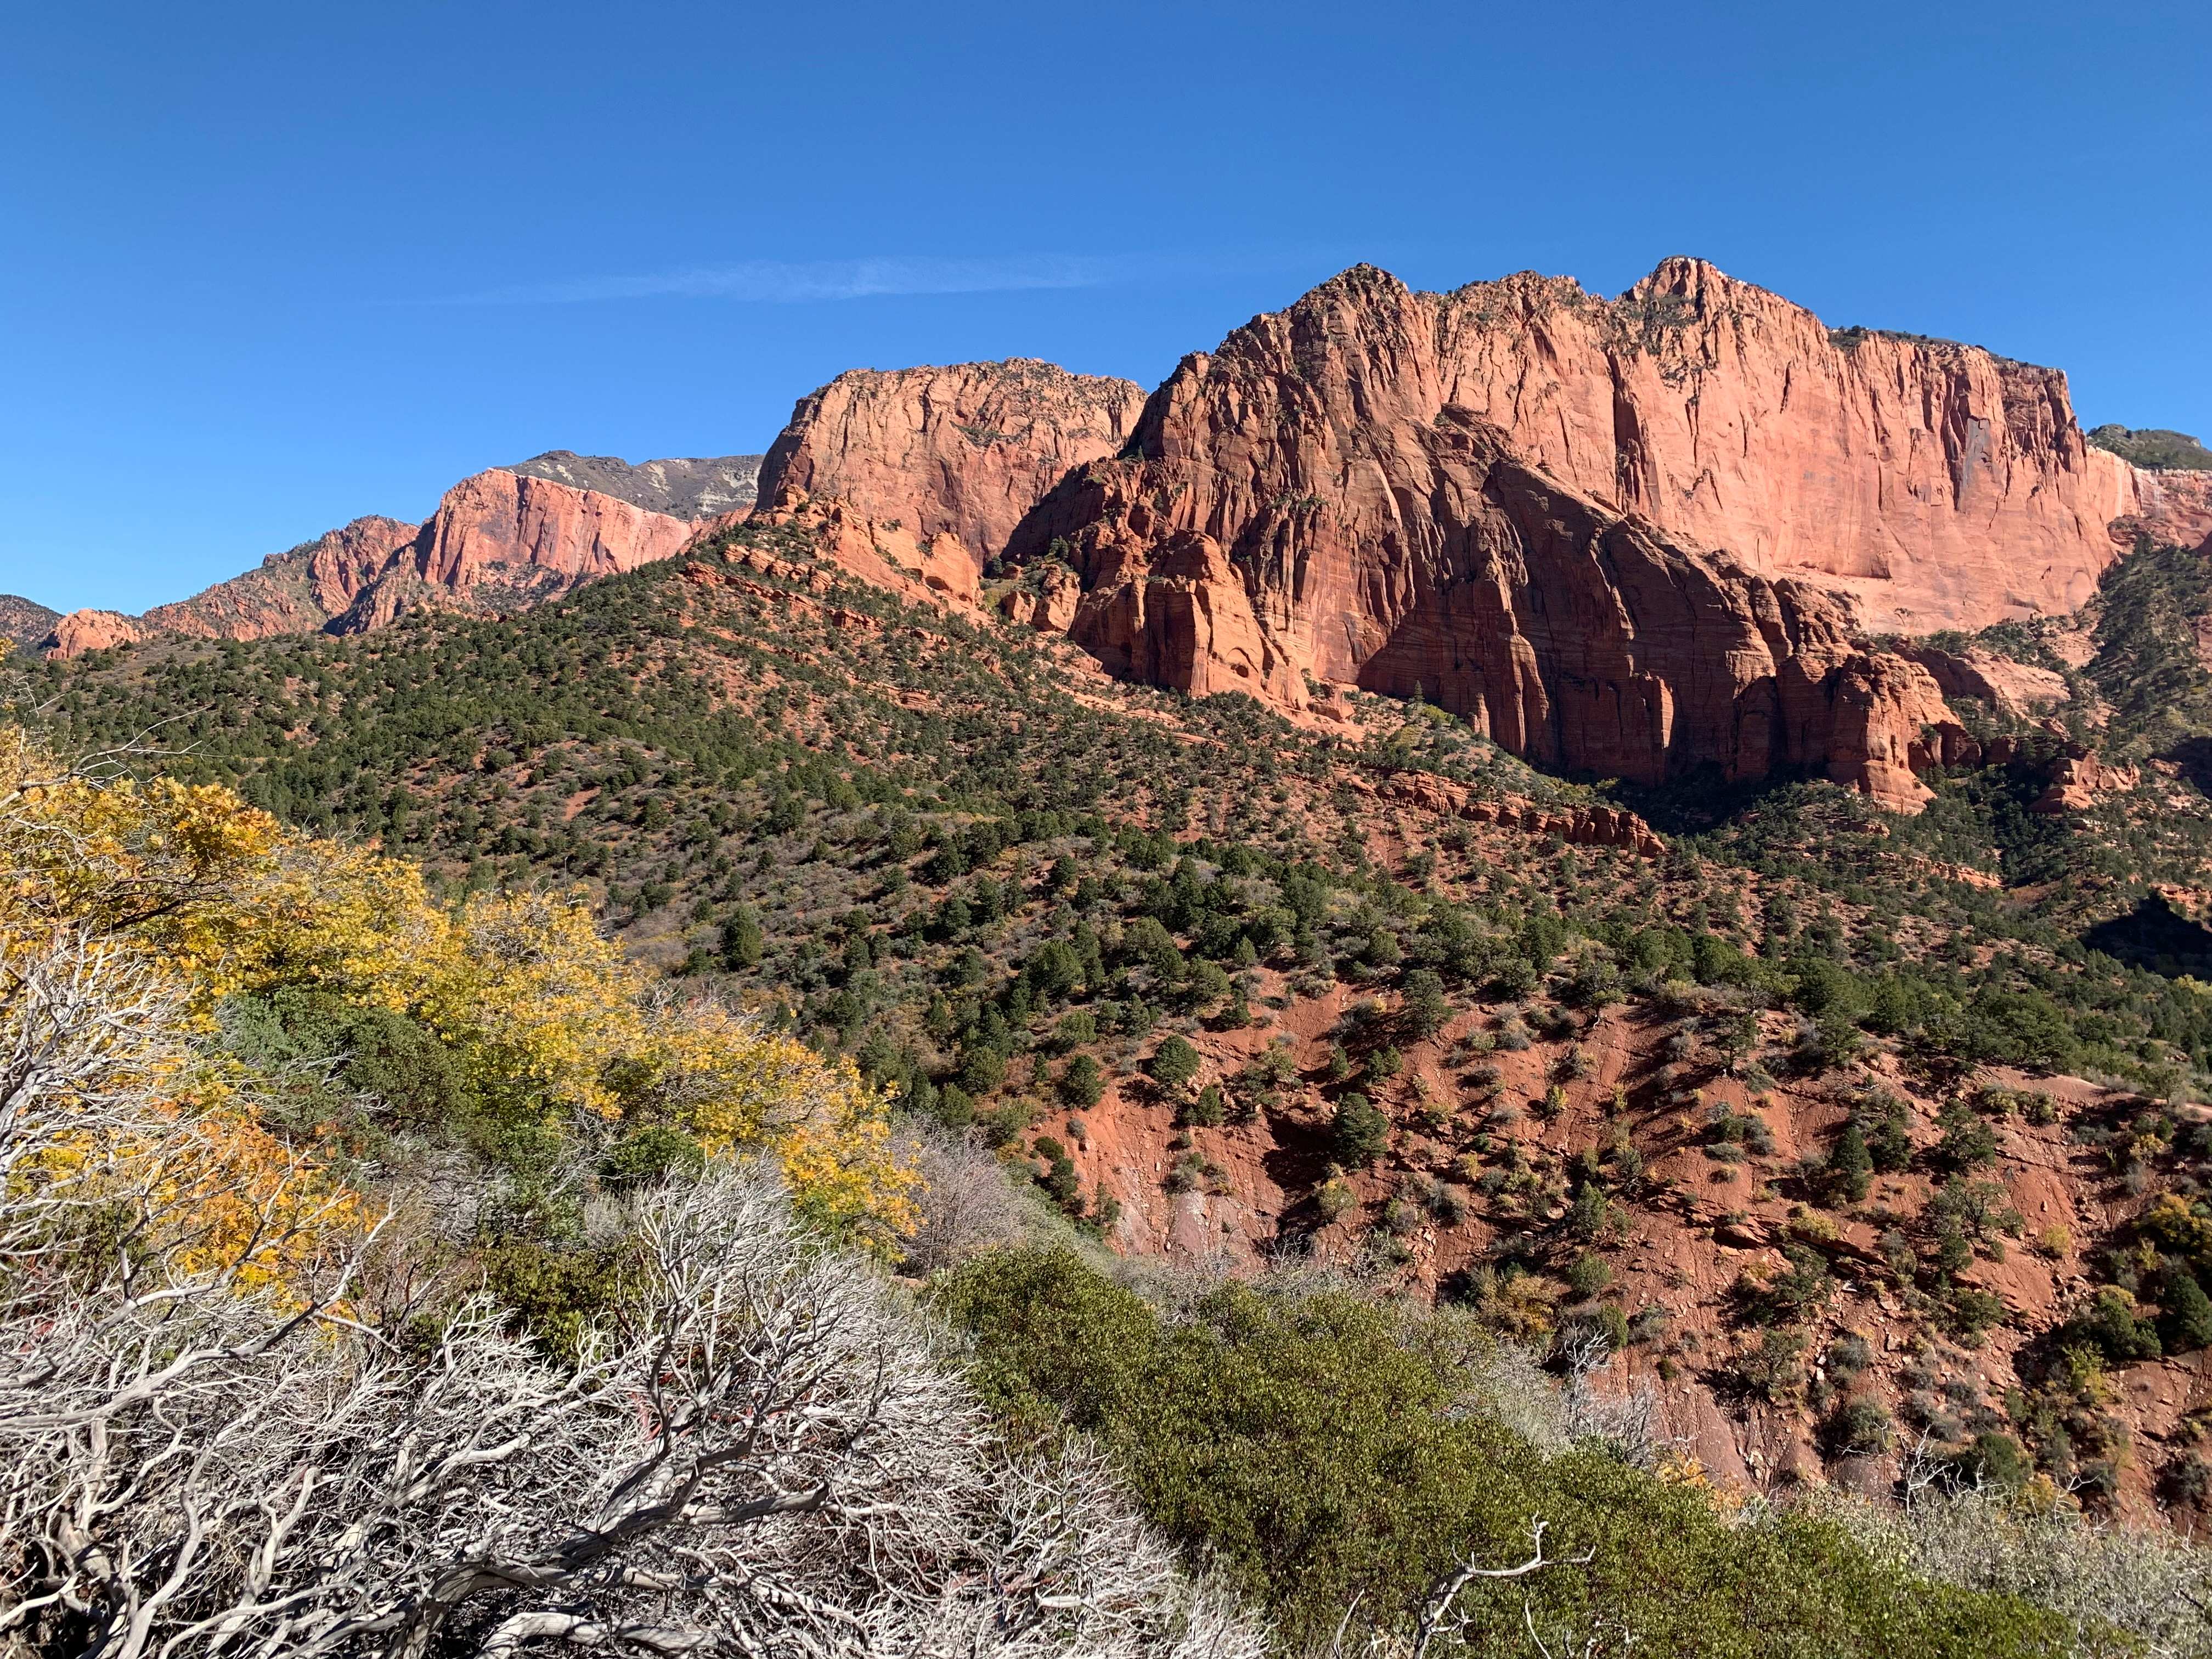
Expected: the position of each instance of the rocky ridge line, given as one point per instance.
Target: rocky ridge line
(500, 541)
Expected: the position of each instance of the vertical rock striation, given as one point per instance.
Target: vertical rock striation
(965, 451)
(1434, 558)
(1941, 486)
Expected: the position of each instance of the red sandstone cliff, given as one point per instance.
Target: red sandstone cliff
(2171, 506)
(1627, 536)
(1938, 485)
(1305, 517)
(1941, 485)
(965, 451)
(498, 542)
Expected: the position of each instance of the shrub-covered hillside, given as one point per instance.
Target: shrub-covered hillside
(1780, 1114)
(385, 1275)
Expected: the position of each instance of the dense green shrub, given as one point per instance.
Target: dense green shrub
(1327, 1453)
(1173, 1064)
(2111, 1326)
(1081, 1082)
(2185, 1323)
(1361, 1131)
(1849, 1170)
(1860, 1427)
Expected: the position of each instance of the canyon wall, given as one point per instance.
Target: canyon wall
(1943, 486)
(1440, 560)
(1626, 537)
(965, 451)
(1938, 485)
(1935, 484)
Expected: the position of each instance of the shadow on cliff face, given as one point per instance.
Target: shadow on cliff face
(1298, 1161)
(1703, 799)
(2157, 937)
(2194, 756)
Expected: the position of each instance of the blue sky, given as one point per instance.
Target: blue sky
(269, 267)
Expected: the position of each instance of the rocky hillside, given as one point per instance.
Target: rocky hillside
(1463, 797)
(24, 620)
(1849, 1135)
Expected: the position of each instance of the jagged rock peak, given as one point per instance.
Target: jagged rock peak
(500, 541)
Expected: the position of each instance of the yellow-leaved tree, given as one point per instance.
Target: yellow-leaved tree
(212, 899)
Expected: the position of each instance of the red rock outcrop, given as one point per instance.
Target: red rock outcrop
(2079, 781)
(81, 631)
(499, 530)
(498, 542)
(1943, 486)
(2172, 507)
(1308, 509)
(1579, 826)
(2018, 688)
(1049, 608)
(1940, 485)
(1395, 490)
(291, 592)
(964, 451)
(936, 569)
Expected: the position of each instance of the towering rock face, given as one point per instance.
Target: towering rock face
(965, 451)
(1938, 485)
(2171, 506)
(1941, 486)
(1298, 523)
(1625, 536)
(500, 541)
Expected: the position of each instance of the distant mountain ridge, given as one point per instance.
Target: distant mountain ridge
(25, 621)
(500, 540)
(1629, 536)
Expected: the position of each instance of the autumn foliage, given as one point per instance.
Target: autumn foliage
(212, 901)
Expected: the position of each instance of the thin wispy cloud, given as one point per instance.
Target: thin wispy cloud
(775, 281)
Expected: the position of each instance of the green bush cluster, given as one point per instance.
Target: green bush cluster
(1320, 1450)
